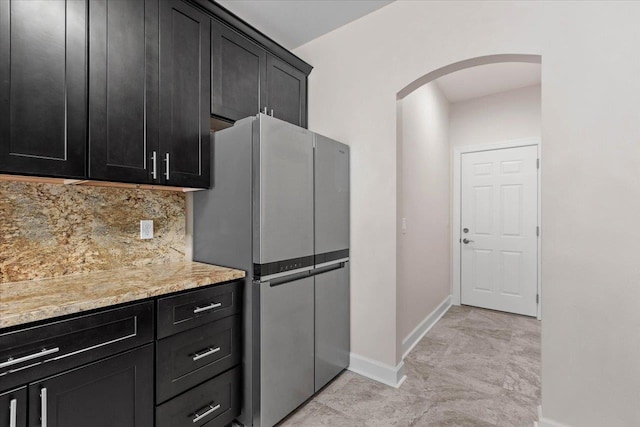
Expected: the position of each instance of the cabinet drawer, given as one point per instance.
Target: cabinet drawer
(193, 356)
(188, 310)
(212, 404)
(34, 352)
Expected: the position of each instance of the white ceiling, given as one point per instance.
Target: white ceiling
(488, 79)
(293, 23)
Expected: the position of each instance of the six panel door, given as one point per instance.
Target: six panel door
(123, 90)
(499, 219)
(185, 37)
(43, 96)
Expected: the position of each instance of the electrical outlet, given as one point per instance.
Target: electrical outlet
(146, 229)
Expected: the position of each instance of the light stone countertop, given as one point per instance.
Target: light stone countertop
(33, 300)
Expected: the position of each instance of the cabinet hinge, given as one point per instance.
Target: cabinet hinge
(537, 298)
(538, 230)
(538, 163)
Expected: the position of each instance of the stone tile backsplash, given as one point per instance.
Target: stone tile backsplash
(50, 230)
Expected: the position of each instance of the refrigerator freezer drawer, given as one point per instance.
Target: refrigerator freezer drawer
(332, 338)
(286, 348)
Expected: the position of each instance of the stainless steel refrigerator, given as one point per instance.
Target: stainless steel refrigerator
(279, 209)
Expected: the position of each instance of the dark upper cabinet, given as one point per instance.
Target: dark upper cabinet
(13, 408)
(43, 87)
(123, 90)
(117, 391)
(238, 70)
(185, 37)
(286, 92)
(247, 79)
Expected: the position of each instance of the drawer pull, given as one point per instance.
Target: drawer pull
(208, 410)
(13, 413)
(44, 352)
(207, 308)
(205, 353)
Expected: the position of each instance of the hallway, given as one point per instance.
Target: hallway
(475, 367)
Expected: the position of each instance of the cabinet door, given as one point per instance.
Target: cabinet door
(185, 38)
(43, 97)
(286, 92)
(117, 391)
(13, 408)
(123, 89)
(237, 75)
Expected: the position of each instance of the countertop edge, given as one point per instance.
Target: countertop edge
(136, 293)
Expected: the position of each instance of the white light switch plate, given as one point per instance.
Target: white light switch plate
(146, 229)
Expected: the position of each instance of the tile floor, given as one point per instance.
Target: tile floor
(475, 367)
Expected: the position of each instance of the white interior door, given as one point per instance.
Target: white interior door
(499, 211)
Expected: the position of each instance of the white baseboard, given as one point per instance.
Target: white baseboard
(546, 422)
(420, 331)
(377, 371)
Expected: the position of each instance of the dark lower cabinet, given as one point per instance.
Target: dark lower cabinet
(110, 369)
(43, 80)
(198, 356)
(185, 37)
(123, 90)
(214, 403)
(13, 408)
(286, 92)
(117, 391)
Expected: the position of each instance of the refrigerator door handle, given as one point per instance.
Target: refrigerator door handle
(326, 268)
(286, 279)
(284, 274)
(330, 263)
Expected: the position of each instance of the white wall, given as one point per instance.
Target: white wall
(424, 250)
(514, 114)
(590, 175)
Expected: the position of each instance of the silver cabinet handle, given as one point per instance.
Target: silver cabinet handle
(13, 413)
(207, 308)
(154, 165)
(166, 166)
(272, 112)
(11, 361)
(264, 109)
(43, 404)
(209, 409)
(208, 352)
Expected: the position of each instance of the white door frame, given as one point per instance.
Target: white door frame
(455, 235)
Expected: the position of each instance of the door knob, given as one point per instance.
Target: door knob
(467, 241)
